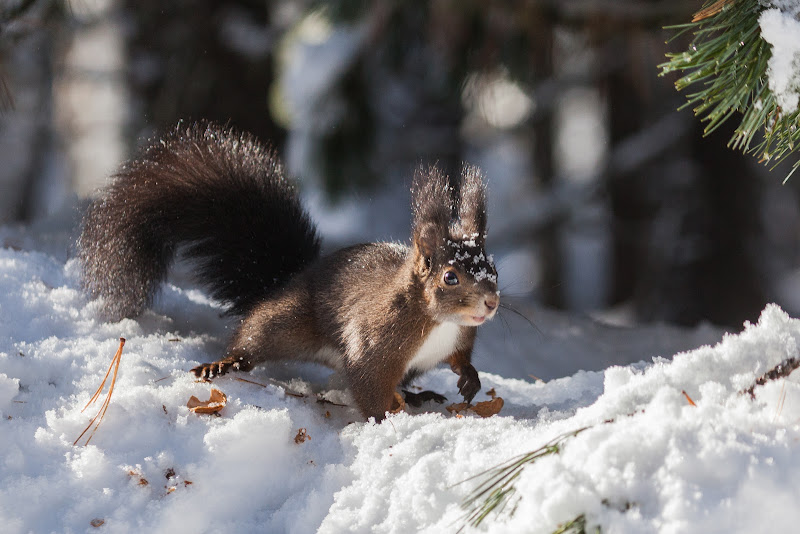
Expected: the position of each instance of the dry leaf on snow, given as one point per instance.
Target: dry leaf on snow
(302, 435)
(488, 408)
(484, 409)
(213, 405)
(142, 481)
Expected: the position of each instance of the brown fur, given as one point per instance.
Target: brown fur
(366, 310)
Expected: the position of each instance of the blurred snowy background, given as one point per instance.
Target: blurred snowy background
(620, 231)
(605, 200)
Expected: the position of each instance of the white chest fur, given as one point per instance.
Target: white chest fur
(440, 343)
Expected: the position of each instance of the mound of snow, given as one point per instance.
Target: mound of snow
(649, 460)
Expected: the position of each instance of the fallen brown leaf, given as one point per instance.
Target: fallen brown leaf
(142, 481)
(483, 409)
(488, 408)
(214, 404)
(97, 522)
(398, 403)
(302, 435)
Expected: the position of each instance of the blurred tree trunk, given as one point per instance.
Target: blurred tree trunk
(544, 162)
(685, 221)
(202, 59)
(27, 146)
(631, 205)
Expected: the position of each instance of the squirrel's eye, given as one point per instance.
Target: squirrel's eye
(450, 278)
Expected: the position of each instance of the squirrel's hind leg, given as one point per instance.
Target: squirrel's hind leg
(273, 330)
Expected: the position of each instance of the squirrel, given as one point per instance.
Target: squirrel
(378, 313)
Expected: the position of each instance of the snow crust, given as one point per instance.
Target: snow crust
(780, 27)
(649, 462)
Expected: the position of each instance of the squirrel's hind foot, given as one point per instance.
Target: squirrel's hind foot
(207, 371)
(416, 399)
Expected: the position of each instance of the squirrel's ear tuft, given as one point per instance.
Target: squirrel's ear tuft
(432, 202)
(472, 201)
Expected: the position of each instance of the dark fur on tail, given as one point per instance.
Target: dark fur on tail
(217, 191)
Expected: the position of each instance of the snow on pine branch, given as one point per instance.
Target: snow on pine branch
(745, 59)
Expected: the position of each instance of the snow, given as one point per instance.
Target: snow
(780, 27)
(648, 462)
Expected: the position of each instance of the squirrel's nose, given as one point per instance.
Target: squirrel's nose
(491, 302)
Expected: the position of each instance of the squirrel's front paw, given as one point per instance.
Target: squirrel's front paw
(207, 371)
(468, 383)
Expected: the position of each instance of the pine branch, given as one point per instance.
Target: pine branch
(728, 60)
(497, 489)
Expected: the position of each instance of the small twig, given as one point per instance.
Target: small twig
(688, 398)
(782, 370)
(287, 391)
(251, 382)
(102, 412)
(274, 383)
(323, 400)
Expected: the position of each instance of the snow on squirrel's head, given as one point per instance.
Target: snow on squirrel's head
(449, 238)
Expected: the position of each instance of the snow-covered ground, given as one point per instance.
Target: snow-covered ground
(650, 461)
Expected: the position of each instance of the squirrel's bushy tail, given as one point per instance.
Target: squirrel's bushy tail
(217, 191)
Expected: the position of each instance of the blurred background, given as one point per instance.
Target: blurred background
(604, 199)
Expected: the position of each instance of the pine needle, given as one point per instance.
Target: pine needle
(711, 10)
(102, 412)
(496, 491)
(575, 526)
